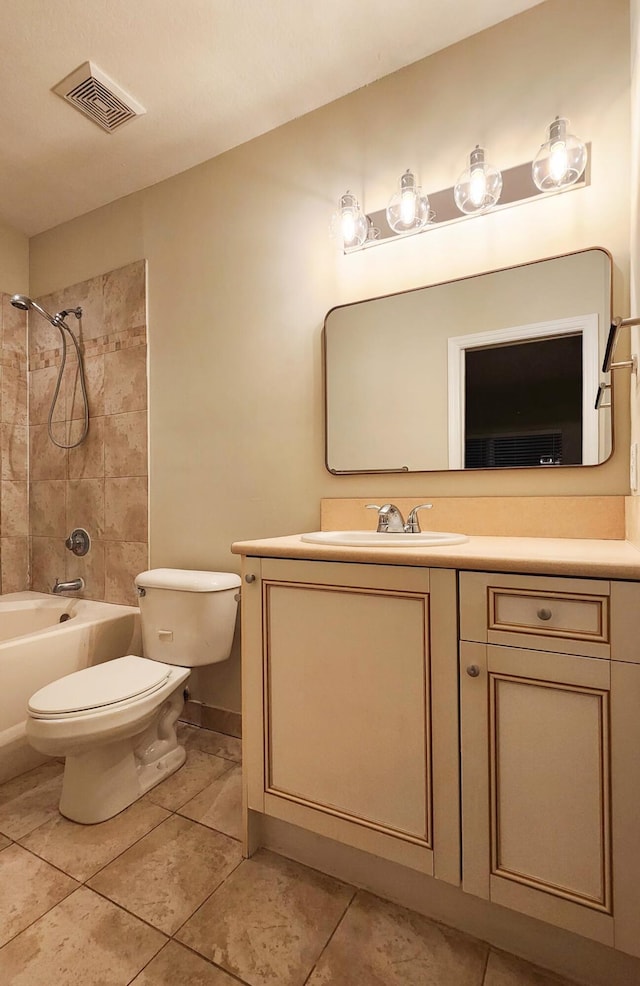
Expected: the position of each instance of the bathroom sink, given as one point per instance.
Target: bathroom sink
(374, 539)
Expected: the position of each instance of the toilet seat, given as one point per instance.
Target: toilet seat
(100, 687)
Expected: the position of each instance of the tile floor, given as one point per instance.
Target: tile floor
(160, 896)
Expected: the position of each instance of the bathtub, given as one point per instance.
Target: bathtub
(42, 638)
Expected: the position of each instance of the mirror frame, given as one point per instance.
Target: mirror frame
(497, 270)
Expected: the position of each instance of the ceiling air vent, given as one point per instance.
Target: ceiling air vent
(98, 97)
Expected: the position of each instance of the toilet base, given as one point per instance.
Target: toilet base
(101, 783)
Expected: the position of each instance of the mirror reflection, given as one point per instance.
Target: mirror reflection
(495, 370)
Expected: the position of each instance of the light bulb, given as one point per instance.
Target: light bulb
(349, 223)
(561, 160)
(479, 187)
(409, 207)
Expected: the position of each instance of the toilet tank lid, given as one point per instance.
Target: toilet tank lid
(187, 580)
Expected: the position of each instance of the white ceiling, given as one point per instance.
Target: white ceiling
(210, 73)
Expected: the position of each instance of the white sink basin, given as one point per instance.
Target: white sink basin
(373, 539)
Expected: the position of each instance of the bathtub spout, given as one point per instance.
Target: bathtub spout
(71, 586)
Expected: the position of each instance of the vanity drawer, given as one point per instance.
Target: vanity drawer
(553, 614)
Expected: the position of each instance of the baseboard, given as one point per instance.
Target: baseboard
(209, 717)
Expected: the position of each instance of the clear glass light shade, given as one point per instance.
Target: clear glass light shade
(349, 224)
(479, 187)
(409, 207)
(561, 160)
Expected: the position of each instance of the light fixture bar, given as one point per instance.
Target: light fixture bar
(517, 188)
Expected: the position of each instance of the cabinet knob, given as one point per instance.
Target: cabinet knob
(473, 670)
(544, 614)
(249, 578)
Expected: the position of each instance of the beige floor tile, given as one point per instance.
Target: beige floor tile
(83, 941)
(177, 966)
(28, 888)
(82, 850)
(29, 800)
(207, 740)
(381, 944)
(197, 773)
(269, 921)
(506, 970)
(4, 842)
(168, 874)
(219, 805)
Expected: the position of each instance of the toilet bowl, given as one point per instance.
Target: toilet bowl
(115, 723)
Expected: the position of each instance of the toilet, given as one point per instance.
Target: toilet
(115, 723)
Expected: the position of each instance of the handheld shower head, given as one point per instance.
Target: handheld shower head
(22, 302)
(25, 304)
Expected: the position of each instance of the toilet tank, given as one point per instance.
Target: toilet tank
(187, 617)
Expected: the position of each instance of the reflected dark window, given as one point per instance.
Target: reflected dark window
(524, 404)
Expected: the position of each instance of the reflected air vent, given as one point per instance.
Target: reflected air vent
(98, 97)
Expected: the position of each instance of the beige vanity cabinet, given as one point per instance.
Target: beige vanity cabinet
(350, 705)
(550, 750)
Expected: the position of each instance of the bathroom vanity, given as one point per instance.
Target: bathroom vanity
(468, 712)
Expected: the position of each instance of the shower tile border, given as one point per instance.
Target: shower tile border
(112, 343)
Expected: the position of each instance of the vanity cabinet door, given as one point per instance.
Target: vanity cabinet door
(353, 747)
(536, 787)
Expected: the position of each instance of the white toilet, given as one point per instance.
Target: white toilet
(115, 723)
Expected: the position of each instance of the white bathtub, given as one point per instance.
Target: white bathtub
(36, 648)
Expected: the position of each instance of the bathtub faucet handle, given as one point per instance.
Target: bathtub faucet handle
(78, 541)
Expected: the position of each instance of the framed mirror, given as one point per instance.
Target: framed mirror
(497, 370)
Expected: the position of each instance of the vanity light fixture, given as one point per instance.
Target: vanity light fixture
(408, 209)
(373, 231)
(349, 223)
(479, 187)
(560, 165)
(561, 160)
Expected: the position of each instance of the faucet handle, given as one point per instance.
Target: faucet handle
(413, 524)
(389, 518)
(374, 506)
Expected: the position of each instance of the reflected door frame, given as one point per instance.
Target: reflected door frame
(585, 325)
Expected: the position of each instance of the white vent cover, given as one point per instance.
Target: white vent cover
(98, 97)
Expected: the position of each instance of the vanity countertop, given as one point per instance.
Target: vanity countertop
(546, 556)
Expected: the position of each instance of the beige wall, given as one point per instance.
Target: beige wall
(14, 260)
(241, 272)
(635, 232)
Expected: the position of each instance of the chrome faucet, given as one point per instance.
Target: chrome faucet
(72, 586)
(390, 520)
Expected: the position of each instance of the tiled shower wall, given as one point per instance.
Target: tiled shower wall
(101, 485)
(14, 521)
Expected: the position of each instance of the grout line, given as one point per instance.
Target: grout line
(54, 866)
(146, 965)
(132, 914)
(204, 958)
(331, 936)
(486, 965)
(49, 909)
(134, 843)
